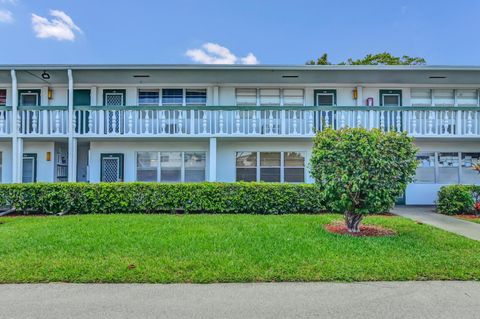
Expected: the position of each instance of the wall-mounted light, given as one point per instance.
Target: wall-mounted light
(45, 75)
(50, 93)
(48, 156)
(355, 93)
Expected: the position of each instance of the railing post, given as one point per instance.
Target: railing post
(458, 130)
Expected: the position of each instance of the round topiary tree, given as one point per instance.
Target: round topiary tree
(362, 172)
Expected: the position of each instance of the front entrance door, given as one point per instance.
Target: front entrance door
(391, 119)
(111, 168)
(81, 97)
(29, 168)
(114, 98)
(325, 98)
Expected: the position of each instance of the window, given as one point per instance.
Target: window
(293, 97)
(270, 166)
(269, 97)
(196, 97)
(171, 166)
(426, 168)
(3, 97)
(448, 164)
(469, 175)
(421, 97)
(172, 97)
(246, 97)
(246, 166)
(467, 97)
(148, 97)
(443, 97)
(147, 166)
(1, 167)
(194, 166)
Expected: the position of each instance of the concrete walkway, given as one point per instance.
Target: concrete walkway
(427, 215)
(270, 300)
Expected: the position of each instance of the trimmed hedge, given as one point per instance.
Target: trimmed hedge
(457, 199)
(148, 198)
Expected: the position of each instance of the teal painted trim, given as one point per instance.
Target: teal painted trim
(120, 157)
(329, 91)
(37, 91)
(5, 108)
(122, 91)
(41, 108)
(277, 108)
(35, 165)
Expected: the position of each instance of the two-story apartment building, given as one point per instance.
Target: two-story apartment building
(189, 123)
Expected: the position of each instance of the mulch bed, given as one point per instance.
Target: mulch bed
(469, 216)
(365, 230)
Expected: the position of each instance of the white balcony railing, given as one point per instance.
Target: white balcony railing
(101, 121)
(273, 121)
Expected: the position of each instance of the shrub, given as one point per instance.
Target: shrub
(457, 199)
(360, 171)
(215, 198)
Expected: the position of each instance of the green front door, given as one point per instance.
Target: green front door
(81, 97)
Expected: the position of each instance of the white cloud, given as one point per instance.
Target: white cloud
(60, 27)
(213, 53)
(6, 16)
(9, 1)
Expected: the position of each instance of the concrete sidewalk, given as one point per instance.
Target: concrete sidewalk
(427, 215)
(269, 300)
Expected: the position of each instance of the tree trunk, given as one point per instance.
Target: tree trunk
(353, 222)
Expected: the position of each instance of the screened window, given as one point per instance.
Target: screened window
(271, 166)
(172, 97)
(443, 97)
(421, 97)
(293, 97)
(246, 97)
(148, 97)
(467, 98)
(196, 97)
(194, 166)
(171, 166)
(469, 175)
(3, 97)
(147, 166)
(269, 97)
(448, 164)
(426, 168)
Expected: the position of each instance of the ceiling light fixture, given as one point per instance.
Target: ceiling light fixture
(45, 75)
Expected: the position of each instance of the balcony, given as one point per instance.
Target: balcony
(238, 121)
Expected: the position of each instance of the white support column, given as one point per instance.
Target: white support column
(72, 143)
(15, 158)
(212, 160)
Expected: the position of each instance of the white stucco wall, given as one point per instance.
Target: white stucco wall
(6, 150)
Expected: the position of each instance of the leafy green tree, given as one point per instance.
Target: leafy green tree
(360, 171)
(384, 58)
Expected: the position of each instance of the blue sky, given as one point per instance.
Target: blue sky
(246, 31)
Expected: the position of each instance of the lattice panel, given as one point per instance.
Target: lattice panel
(110, 169)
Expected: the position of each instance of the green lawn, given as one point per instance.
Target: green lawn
(225, 248)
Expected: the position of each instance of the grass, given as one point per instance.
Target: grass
(473, 220)
(225, 248)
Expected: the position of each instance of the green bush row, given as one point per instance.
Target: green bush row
(215, 198)
(457, 199)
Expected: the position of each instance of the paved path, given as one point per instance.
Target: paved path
(269, 300)
(427, 215)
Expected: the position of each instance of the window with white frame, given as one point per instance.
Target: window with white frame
(448, 164)
(467, 97)
(269, 97)
(426, 168)
(443, 97)
(468, 174)
(172, 97)
(148, 97)
(286, 167)
(420, 97)
(171, 166)
(196, 97)
(3, 97)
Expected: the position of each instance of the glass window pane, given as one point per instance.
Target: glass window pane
(270, 174)
(326, 99)
(294, 159)
(147, 166)
(448, 168)
(443, 97)
(293, 97)
(269, 97)
(172, 96)
(426, 168)
(391, 100)
(270, 159)
(29, 99)
(147, 97)
(246, 159)
(469, 175)
(171, 166)
(467, 98)
(194, 166)
(196, 97)
(3, 97)
(247, 174)
(421, 97)
(246, 97)
(294, 175)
